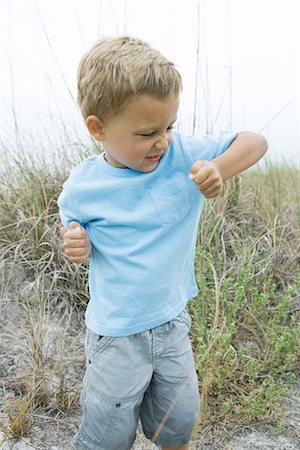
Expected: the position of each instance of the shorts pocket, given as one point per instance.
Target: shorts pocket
(185, 318)
(99, 416)
(102, 343)
(107, 421)
(95, 344)
(171, 200)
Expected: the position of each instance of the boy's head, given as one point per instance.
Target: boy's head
(117, 69)
(129, 96)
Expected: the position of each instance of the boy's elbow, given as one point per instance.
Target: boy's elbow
(254, 141)
(259, 145)
(263, 144)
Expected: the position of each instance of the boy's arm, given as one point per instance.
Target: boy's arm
(246, 149)
(75, 238)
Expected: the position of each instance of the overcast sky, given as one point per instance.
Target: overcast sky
(256, 42)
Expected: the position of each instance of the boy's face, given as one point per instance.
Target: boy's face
(140, 134)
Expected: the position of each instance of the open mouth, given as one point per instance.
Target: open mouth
(154, 158)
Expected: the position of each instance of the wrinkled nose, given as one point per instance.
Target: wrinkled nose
(163, 142)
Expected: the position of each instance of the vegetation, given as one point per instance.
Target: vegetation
(245, 331)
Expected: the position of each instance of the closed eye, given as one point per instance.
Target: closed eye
(148, 135)
(154, 132)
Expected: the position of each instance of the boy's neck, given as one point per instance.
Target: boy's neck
(111, 163)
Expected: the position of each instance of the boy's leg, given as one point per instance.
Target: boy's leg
(171, 403)
(117, 375)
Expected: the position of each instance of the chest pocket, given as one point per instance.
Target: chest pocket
(171, 200)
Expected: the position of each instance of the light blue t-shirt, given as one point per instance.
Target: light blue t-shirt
(143, 230)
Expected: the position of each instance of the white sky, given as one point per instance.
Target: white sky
(42, 42)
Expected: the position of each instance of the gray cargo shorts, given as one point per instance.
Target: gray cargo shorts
(149, 375)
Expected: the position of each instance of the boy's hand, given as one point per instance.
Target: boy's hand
(208, 178)
(76, 243)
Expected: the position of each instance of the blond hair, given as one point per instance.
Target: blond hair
(115, 69)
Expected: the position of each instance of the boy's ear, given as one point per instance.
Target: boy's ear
(95, 126)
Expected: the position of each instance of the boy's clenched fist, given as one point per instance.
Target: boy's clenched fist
(76, 243)
(208, 178)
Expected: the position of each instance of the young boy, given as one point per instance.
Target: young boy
(139, 205)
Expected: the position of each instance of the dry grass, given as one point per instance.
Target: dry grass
(245, 330)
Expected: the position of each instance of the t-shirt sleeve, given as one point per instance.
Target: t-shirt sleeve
(207, 147)
(68, 207)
